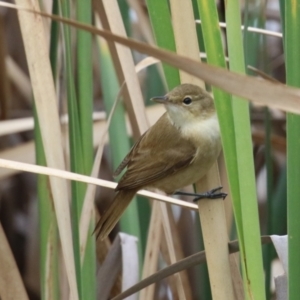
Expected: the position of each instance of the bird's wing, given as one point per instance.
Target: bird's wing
(127, 158)
(156, 156)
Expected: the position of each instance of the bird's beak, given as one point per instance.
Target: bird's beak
(160, 99)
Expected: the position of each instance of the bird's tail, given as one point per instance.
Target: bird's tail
(112, 215)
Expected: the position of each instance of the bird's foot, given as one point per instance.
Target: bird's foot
(211, 194)
(207, 195)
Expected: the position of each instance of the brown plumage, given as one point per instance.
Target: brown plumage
(176, 151)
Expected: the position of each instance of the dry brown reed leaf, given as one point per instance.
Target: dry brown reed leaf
(86, 179)
(252, 89)
(11, 284)
(258, 91)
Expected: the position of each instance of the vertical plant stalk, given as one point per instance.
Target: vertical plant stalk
(214, 233)
(85, 105)
(75, 143)
(185, 36)
(44, 94)
(246, 209)
(215, 56)
(48, 226)
(85, 82)
(292, 50)
(49, 274)
(215, 238)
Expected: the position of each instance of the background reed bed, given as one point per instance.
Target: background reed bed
(75, 92)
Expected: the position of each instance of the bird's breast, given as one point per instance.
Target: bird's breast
(205, 135)
(202, 131)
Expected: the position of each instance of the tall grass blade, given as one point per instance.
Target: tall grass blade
(215, 56)
(292, 48)
(47, 220)
(253, 266)
(85, 111)
(75, 143)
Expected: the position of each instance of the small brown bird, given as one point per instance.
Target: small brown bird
(176, 151)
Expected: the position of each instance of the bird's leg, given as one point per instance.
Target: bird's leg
(211, 194)
(208, 195)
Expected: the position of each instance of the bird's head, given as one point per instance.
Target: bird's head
(187, 102)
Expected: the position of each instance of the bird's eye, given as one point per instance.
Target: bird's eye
(187, 101)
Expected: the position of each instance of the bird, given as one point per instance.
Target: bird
(178, 150)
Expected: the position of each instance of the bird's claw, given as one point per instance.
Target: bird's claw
(208, 195)
(211, 194)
